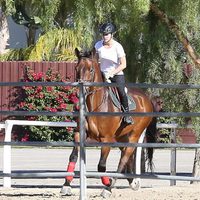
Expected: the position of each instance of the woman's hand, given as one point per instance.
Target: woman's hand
(108, 75)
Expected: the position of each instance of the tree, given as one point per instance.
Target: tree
(157, 37)
(33, 14)
(175, 50)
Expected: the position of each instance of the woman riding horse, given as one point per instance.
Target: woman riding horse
(112, 63)
(107, 128)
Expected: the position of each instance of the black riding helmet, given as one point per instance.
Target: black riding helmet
(107, 28)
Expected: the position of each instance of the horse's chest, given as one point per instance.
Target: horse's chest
(101, 128)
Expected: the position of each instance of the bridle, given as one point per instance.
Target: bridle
(91, 75)
(86, 90)
(92, 72)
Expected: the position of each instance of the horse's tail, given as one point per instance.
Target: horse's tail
(151, 138)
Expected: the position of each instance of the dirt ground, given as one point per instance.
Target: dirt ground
(46, 160)
(191, 192)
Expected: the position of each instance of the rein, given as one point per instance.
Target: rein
(92, 75)
(92, 71)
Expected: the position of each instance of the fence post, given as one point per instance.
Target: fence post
(173, 156)
(7, 155)
(138, 158)
(83, 184)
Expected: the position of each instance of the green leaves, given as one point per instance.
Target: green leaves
(153, 50)
(56, 45)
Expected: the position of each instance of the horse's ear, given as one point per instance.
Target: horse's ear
(93, 53)
(77, 53)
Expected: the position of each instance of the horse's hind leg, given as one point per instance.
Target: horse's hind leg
(126, 162)
(66, 189)
(130, 166)
(125, 156)
(133, 182)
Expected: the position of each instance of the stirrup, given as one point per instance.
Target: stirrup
(128, 120)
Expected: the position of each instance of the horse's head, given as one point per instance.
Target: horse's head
(87, 69)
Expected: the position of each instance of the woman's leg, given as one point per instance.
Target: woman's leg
(123, 97)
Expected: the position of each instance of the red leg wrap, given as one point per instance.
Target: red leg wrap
(105, 180)
(70, 168)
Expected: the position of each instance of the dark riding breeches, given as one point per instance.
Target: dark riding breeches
(121, 90)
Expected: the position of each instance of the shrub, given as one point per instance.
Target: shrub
(46, 98)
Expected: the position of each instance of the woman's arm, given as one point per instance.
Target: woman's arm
(120, 67)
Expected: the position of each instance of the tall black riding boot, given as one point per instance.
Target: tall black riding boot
(123, 98)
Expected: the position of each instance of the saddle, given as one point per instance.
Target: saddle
(116, 101)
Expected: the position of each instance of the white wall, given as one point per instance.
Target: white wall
(17, 35)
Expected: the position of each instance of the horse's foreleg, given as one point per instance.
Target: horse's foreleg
(66, 189)
(102, 168)
(71, 165)
(102, 165)
(130, 167)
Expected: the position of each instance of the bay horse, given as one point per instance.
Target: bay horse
(107, 128)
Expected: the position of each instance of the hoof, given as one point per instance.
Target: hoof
(66, 191)
(106, 193)
(135, 185)
(113, 181)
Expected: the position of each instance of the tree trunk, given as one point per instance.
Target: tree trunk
(196, 167)
(31, 32)
(176, 30)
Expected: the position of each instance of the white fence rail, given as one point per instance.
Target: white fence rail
(8, 125)
(7, 148)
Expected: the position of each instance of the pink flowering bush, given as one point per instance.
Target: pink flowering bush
(46, 98)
